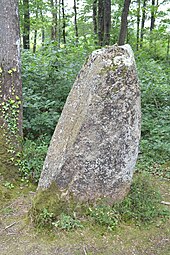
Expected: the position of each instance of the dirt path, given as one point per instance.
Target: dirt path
(17, 237)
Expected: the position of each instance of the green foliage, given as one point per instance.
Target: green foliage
(155, 91)
(66, 222)
(45, 218)
(105, 216)
(10, 109)
(143, 202)
(8, 185)
(142, 205)
(30, 161)
(47, 79)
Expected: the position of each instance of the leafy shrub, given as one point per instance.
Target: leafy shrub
(47, 78)
(66, 222)
(30, 162)
(45, 219)
(44, 92)
(142, 205)
(105, 216)
(143, 201)
(155, 91)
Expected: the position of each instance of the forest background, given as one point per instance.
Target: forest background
(57, 36)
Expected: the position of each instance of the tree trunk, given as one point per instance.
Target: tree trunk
(59, 24)
(95, 16)
(138, 24)
(35, 41)
(107, 22)
(152, 15)
(64, 22)
(154, 9)
(26, 32)
(54, 8)
(100, 22)
(168, 46)
(124, 22)
(75, 21)
(10, 87)
(42, 28)
(35, 31)
(53, 34)
(56, 18)
(143, 22)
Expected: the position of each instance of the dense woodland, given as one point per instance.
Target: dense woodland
(56, 38)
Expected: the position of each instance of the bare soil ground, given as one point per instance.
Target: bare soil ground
(18, 237)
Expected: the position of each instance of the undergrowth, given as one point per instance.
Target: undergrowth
(30, 161)
(141, 206)
(155, 139)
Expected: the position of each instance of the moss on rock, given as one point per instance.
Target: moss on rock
(53, 202)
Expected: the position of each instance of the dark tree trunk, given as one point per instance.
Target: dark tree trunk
(143, 22)
(26, 32)
(124, 22)
(35, 41)
(43, 36)
(59, 23)
(138, 25)
(152, 15)
(75, 21)
(64, 22)
(154, 8)
(100, 22)
(52, 25)
(10, 86)
(104, 22)
(35, 31)
(95, 16)
(107, 22)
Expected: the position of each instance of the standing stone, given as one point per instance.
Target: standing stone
(95, 145)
